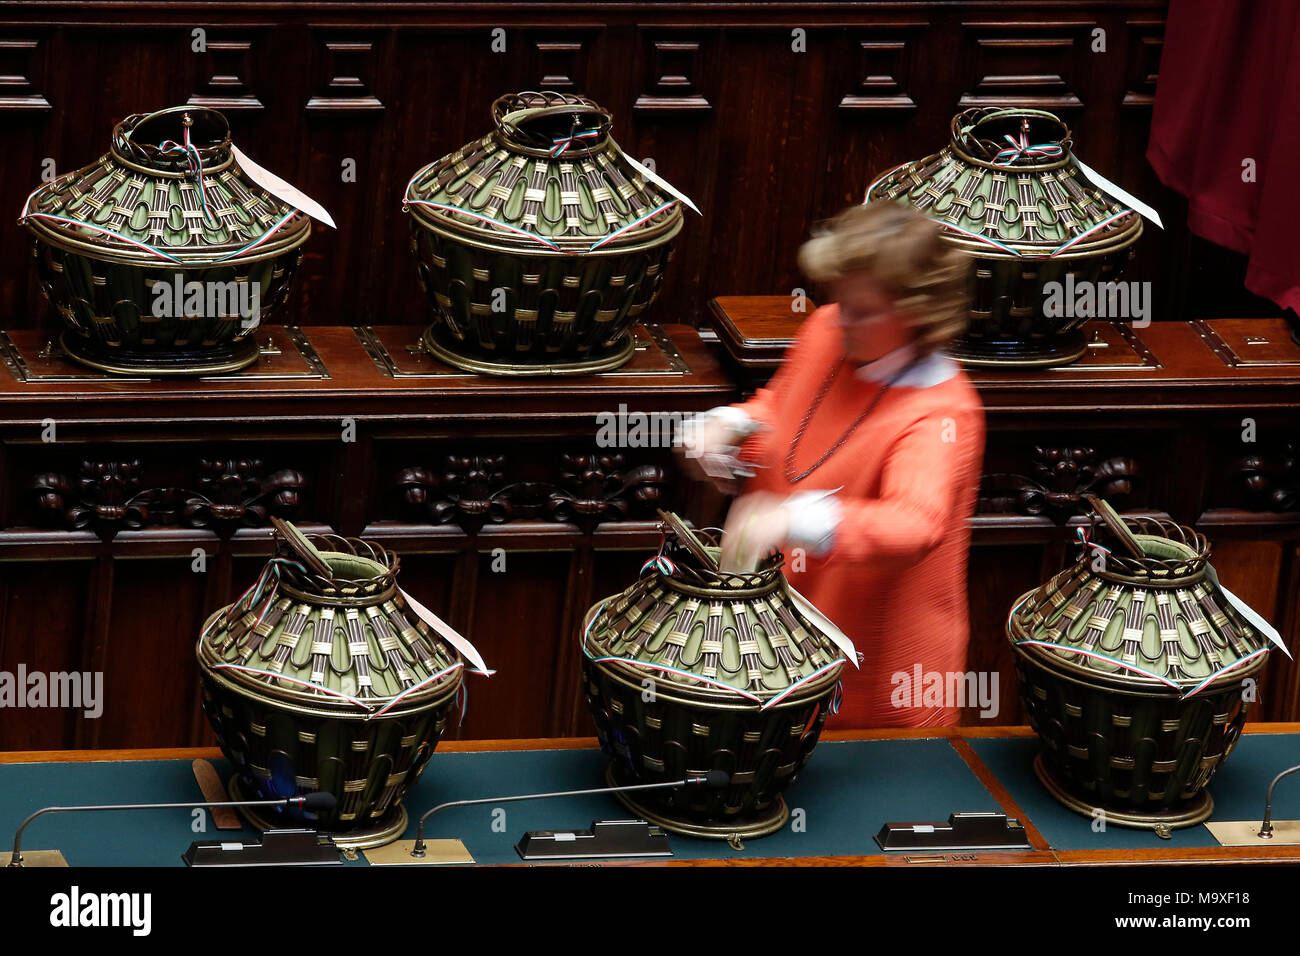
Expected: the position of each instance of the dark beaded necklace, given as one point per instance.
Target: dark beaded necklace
(790, 476)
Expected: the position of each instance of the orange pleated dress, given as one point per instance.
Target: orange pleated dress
(894, 579)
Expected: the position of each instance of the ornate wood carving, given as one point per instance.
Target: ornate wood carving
(102, 496)
(109, 496)
(1062, 475)
(1272, 481)
(234, 492)
(472, 490)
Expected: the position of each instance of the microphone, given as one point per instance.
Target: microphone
(1266, 826)
(317, 802)
(714, 780)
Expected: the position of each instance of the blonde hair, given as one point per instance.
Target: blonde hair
(904, 251)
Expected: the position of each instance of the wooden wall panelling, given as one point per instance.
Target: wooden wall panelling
(226, 68)
(766, 141)
(42, 625)
(886, 56)
(1023, 61)
(1284, 674)
(24, 54)
(344, 162)
(996, 579)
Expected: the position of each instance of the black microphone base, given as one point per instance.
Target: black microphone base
(391, 826)
(750, 826)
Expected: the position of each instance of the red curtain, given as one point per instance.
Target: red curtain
(1229, 93)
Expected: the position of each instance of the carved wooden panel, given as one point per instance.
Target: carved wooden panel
(1055, 481)
(675, 71)
(886, 58)
(1145, 42)
(583, 487)
(1026, 63)
(23, 59)
(350, 61)
(561, 58)
(225, 70)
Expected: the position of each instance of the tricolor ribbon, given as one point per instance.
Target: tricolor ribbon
(1102, 657)
(409, 200)
(195, 163)
(1020, 147)
(799, 683)
(562, 143)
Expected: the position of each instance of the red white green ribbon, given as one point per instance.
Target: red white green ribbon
(562, 143)
(409, 200)
(1020, 147)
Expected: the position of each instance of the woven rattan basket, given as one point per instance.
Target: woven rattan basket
(1137, 673)
(539, 245)
(691, 670)
(328, 682)
(1010, 194)
(168, 206)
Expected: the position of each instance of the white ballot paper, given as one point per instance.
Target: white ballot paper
(282, 190)
(467, 650)
(662, 183)
(827, 626)
(1123, 196)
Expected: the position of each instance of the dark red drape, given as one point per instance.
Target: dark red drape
(1228, 92)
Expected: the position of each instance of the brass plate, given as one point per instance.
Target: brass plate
(1249, 342)
(285, 352)
(1246, 833)
(398, 352)
(437, 853)
(37, 858)
(1112, 345)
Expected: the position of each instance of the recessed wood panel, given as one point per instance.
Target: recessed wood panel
(519, 636)
(150, 673)
(42, 628)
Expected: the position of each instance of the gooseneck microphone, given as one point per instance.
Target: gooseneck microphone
(314, 802)
(1266, 827)
(714, 779)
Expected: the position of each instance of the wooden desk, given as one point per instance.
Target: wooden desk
(849, 800)
(510, 516)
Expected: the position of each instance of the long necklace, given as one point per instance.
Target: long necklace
(790, 476)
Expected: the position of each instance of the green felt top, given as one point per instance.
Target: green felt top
(847, 792)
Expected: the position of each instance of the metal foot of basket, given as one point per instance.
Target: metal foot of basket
(751, 826)
(390, 826)
(1185, 813)
(174, 360)
(1059, 349)
(438, 343)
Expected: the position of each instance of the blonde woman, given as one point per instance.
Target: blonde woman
(866, 449)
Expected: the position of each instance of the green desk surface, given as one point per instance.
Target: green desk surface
(1238, 790)
(848, 790)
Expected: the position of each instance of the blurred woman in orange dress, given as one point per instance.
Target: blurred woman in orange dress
(866, 449)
